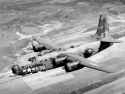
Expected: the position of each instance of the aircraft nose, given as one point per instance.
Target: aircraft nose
(16, 69)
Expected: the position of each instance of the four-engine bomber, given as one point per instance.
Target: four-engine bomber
(60, 59)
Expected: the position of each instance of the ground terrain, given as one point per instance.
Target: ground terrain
(61, 22)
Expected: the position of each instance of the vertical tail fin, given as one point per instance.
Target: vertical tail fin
(103, 35)
(103, 27)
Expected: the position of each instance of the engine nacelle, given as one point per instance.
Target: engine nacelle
(89, 52)
(73, 66)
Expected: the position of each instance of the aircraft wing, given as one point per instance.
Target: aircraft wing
(46, 43)
(57, 81)
(89, 64)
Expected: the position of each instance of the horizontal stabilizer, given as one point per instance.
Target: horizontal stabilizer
(110, 39)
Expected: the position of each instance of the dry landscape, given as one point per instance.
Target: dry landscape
(61, 22)
(65, 23)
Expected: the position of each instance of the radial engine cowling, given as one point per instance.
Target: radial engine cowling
(16, 69)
